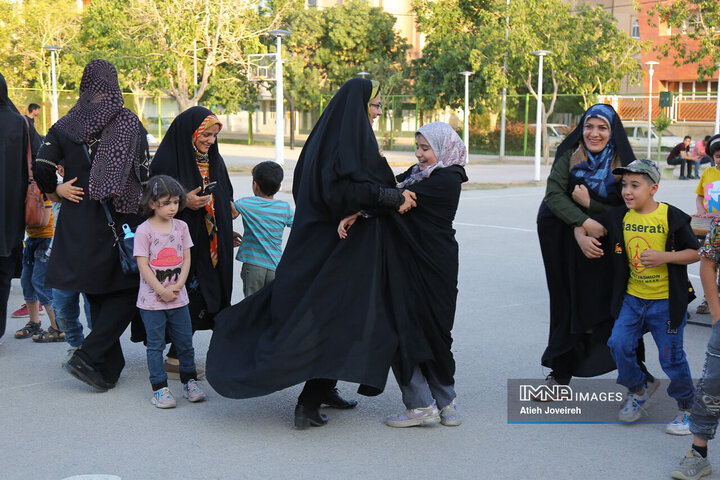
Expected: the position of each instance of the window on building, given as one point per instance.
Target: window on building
(635, 30)
(312, 3)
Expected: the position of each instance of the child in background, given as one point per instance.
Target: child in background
(264, 220)
(707, 192)
(653, 244)
(35, 262)
(162, 249)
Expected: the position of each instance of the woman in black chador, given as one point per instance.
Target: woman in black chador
(327, 315)
(580, 185)
(189, 153)
(13, 184)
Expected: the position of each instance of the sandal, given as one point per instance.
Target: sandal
(702, 308)
(51, 335)
(30, 329)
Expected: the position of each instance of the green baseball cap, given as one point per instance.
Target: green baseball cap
(641, 165)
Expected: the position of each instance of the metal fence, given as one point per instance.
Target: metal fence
(691, 114)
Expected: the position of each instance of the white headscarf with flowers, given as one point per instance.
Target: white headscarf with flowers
(447, 146)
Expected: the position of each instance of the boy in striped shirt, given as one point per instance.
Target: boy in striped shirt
(264, 220)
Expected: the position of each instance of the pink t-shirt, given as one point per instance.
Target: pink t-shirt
(165, 257)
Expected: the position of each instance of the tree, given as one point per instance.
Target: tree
(461, 35)
(26, 28)
(330, 46)
(589, 53)
(105, 34)
(216, 32)
(694, 39)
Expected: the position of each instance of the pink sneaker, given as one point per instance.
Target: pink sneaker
(163, 398)
(22, 312)
(193, 392)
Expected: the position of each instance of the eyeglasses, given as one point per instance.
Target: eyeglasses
(376, 105)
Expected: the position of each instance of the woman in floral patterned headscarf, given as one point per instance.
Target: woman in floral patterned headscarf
(189, 153)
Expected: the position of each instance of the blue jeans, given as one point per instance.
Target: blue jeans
(703, 160)
(67, 314)
(35, 263)
(706, 409)
(179, 328)
(638, 316)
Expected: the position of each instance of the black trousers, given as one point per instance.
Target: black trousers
(314, 392)
(111, 314)
(7, 268)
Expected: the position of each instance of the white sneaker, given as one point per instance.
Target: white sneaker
(680, 425)
(416, 416)
(633, 407)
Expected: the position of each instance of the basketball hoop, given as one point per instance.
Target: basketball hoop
(261, 67)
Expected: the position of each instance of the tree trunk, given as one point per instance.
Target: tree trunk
(291, 107)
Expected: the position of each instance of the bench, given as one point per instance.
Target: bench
(668, 171)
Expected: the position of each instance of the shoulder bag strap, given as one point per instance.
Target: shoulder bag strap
(108, 216)
(29, 152)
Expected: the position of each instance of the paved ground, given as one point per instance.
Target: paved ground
(53, 427)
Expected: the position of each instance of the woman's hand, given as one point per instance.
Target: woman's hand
(195, 201)
(237, 239)
(590, 246)
(581, 195)
(594, 228)
(345, 225)
(409, 202)
(233, 212)
(70, 192)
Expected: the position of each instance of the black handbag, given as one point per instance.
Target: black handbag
(126, 242)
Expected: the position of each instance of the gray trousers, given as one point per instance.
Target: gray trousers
(424, 389)
(706, 409)
(255, 277)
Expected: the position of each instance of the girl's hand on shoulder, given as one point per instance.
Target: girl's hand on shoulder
(195, 201)
(233, 211)
(68, 191)
(345, 225)
(581, 196)
(409, 202)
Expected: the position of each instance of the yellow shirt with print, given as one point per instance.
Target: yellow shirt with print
(43, 232)
(709, 188)
(646, 232)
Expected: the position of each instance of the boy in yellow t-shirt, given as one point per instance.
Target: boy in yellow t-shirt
(35, 262)
(652, 244)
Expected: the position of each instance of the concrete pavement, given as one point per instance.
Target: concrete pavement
(54, 427)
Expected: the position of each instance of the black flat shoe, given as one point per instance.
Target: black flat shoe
(306, 417)
(334, 400)
(80, 369)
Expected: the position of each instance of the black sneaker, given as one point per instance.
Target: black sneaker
(80, 369)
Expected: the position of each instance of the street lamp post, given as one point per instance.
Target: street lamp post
(53, 51)
(717, 102)
(466, 115)
(504, 90)
(538, 116)
(651, 64)
(279, 112)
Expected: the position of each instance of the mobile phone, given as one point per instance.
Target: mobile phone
(208, 189)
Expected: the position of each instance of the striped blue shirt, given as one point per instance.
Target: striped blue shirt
(263, 221)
